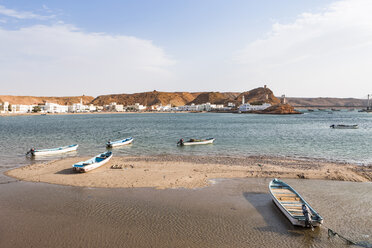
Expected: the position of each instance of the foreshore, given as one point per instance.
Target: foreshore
(173, 171)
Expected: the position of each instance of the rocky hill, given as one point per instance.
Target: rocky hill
(255, 96)
(258, 96)
(283, 109)
(215, 97)
(31, 100)
(147, 98)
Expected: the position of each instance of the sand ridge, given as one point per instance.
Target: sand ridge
(186, 171)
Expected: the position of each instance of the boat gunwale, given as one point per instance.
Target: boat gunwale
(57, 148)
(319, 219)
(82, 165)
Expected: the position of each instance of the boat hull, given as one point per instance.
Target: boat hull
(86, 168)
(60, 150)
(344, 126)
(120, 143)
(204, 142)
(296, 203)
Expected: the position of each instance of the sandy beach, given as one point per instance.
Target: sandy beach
(186, 171)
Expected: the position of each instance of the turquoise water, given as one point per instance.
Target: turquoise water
(306, 135)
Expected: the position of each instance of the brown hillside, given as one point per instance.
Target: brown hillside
(147, 98)
(258, 96)
(326, 102)
(214, 98)
(30, 100)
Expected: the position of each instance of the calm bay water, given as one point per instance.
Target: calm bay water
(306, 135)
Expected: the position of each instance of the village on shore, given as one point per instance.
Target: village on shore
(240, 105)
(6, 108)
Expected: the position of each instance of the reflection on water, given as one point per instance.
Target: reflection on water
(231, 213)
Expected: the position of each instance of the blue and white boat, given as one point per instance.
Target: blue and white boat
(52, 151)
(123, 142)
(293, 206)
(93, 163)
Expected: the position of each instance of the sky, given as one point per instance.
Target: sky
(300, 48)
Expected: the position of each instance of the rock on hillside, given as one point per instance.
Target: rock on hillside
(215, 97)
(258, 96)
(280, 109)
(147, 98)
(31, 100)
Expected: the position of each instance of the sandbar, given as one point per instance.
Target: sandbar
(172, 171)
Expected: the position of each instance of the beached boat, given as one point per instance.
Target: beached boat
(195, 142)
(123, 142)
(344, 126)
(293, 206)
(93, 163)
(52, 151)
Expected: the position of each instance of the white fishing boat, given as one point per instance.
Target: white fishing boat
(123, 142)
(293, 206)
(192, 142)
(93, 163)
(344, 126)
(52, 151)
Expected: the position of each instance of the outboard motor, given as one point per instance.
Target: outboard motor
(307, 214)
(31, 151)
(180, 142)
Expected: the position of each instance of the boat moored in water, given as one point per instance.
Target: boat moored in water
(123, 142)
(93, 163)
(344, 126)
(293, 206)
(195, 142)
(52, 151)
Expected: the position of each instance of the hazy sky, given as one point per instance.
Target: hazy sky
(298, 48)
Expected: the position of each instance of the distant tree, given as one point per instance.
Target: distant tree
(10, 107)
(36, 109)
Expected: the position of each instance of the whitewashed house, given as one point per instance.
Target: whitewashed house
(248, 107)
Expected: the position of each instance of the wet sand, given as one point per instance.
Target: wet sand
(186, 171)
(230, 213)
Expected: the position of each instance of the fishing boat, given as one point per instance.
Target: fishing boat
(93, 163)
(123, 142)
(344, 126)
(195, 142)
(293, 206)
(52, 151)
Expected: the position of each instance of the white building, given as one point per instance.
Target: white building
(248, 107)
(4, 107)
(137, 107)
(55, 108)
(116, 107)
(20, 108)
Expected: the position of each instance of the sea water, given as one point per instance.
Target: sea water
(304, 136)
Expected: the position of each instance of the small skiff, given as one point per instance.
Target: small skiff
(123, 142)
(93, 163)
(192, 142)
(293, 206)
(344, 126)
(52, 151)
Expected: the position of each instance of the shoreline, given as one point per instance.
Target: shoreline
(91, 113)
(172, 171)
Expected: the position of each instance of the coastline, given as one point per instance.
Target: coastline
(171, 171)
(91, 113)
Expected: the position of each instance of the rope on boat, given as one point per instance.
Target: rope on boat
(332, 234)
